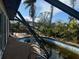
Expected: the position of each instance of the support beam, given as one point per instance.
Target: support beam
(39, 39)
(64, 8)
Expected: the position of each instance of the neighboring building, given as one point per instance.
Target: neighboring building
(6, 13)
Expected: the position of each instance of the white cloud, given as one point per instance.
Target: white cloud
(36, 19)
(28, 18)
(22, 1)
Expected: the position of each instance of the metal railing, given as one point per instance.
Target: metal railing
(63, 45)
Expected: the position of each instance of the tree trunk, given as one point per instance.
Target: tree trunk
(51, 15)
(32, 13)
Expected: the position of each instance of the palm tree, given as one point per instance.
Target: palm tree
(30, 3)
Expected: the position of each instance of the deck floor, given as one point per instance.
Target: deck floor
(16, 50)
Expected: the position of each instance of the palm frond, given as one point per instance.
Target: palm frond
(29, 1)
(26, 1)
(28, 5)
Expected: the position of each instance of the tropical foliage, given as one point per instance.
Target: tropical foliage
(66, 31)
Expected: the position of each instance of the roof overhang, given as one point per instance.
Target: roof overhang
(11, 7)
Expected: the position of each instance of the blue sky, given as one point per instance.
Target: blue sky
(42, 6)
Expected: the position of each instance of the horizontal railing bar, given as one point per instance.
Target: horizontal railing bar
(63, 45)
